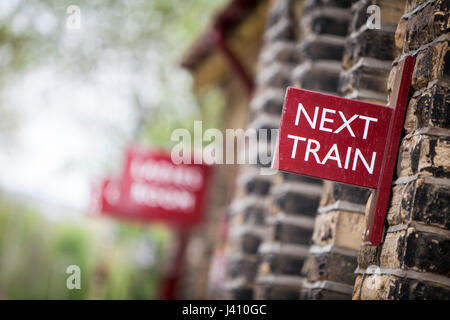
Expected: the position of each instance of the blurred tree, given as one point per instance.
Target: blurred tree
(144, 37)
(141, 41)
(35, 254)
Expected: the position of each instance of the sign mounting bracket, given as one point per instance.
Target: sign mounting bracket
(380, 198)
(346, 141)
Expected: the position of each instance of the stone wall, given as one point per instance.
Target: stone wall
(248, 210)
(329, 265)
(413, 261)
(292, 199)
(294, 237)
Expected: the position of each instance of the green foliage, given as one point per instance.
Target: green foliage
(163, 121)
(35, 254)
(34, 31)
(147, 37)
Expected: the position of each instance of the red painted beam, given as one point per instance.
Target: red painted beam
(170, 286)
(233, 60)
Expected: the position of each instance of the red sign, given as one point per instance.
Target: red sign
(332, 138)
(346, 141)
(152, 187)
(106, 197)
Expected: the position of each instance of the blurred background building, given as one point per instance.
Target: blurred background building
(75, 93)
(282, 242)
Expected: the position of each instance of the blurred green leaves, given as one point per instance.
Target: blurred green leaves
(35, 253)
(143, 39)
(34, 31)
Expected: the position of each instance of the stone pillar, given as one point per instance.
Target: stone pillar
(293, 199)
(248, 210)
(413, 261)
(334, 34)
(366, 64)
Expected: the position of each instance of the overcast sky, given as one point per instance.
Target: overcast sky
(69, 133)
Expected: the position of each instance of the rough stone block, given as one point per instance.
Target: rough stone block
(419, 29)
(339, 228)
(368, 288)
(291, 234)
(270, 292)
(368, 255)
(242, 266)
(241, 293)
(432, 64)
(422, 202)
(323, 294)
(364, 78)
(389, 287)
(413, 4)
(278, 11)
(392, 249)
(378, 44)
(427, 252)
(297, 203)
(268, 101)
(400, 35)
(426, 155)
(299, 178)
(415, 250)
(402, 196)
(253, 215)
(317, 77)
(431, 204)
(329, 25)
(282, 30)
(276, 75)
(349, 193)
(282, 264)
(409, 289)
(429, 109)
(258, 186)
(427, 24)
(331, 266)
(441, 17)
(247, 243)
(320, 48)
(280, 51)
(313, 4)
(391, 79)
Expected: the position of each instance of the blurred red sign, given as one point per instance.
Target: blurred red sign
(106, 197)
(152, 187)
(332, 138)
